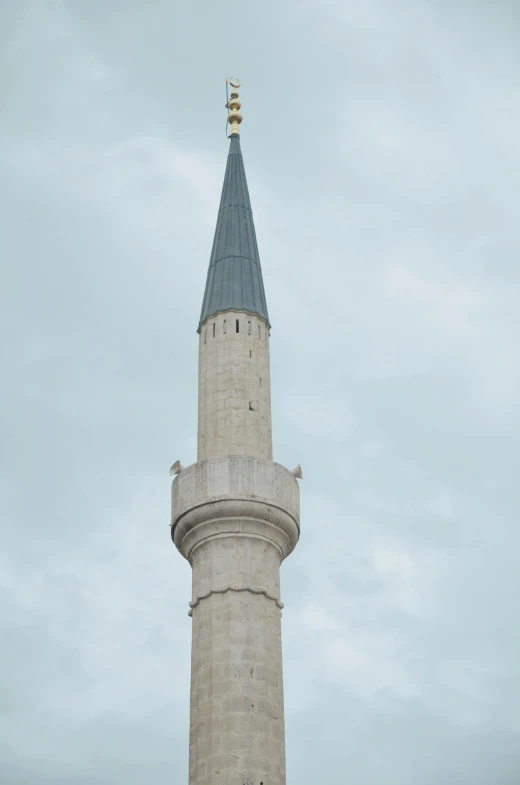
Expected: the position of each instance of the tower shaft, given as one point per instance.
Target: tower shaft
(234, 387)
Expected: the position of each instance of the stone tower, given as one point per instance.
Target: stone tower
(235, 513)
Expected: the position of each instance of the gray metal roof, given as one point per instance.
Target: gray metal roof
(234, 279)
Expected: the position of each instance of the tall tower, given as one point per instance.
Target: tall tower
(235, 513)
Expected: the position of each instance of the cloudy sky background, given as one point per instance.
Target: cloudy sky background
(381, 145)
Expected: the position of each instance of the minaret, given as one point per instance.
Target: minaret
(235, 513)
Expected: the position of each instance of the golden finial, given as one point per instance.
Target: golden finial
(234, 116)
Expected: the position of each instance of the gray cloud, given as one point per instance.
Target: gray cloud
(380, 141)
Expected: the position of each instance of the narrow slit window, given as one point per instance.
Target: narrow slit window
(225, 325)
(205, 336)
(259, 336)
(214, 328)
(238, 326)
(249, 328)
(260, 381)
(250, 353)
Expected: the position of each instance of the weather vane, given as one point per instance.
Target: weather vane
(233, 104)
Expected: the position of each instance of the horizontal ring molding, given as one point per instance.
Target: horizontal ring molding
(225, 589)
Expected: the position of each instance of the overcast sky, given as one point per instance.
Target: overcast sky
(380, 139)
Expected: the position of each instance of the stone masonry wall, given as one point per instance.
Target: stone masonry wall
(236, 711)
(234, 387)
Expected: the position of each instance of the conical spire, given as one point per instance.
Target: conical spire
(234, 279)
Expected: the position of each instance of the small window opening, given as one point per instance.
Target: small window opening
(225, 325)
(260, 381)
(259, 336)
(214, 328)
(205, 336)
(238, 325)
(251, 408)
(249, 328)
(250, 353)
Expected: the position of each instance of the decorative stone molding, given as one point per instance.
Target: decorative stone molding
(239, 496)
(250, 589)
